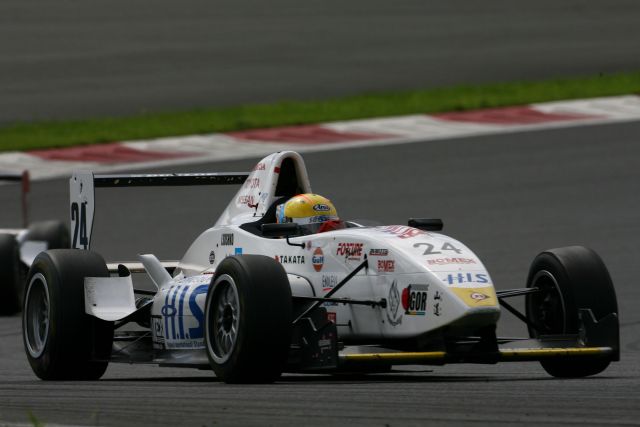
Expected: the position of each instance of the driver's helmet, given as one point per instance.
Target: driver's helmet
(312, 212)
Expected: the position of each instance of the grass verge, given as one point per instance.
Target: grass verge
(25, 136)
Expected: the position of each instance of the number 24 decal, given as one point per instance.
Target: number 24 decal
(79, 219)
(429, 248)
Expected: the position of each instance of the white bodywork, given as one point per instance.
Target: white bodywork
(428, 280)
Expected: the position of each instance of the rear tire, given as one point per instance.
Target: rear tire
(248, 315)
(11, 287)
(55, 233)
(62, 342)
(571, 278)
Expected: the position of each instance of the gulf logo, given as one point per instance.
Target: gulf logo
(317, 259)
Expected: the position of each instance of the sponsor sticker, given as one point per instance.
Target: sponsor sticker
(290, 259)
(329, 282)
(464, 278)
(238, 251)
(445, 261)
(212, 257)
(226, 239)
(386, 265)
(414, 300)
(321, 207)
(394, 316)
(402, 231)
(351, 251)
(378, 252)
(259, 167)
(317, 259)
(331, 317)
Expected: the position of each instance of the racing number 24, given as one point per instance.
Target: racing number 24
(79, 220)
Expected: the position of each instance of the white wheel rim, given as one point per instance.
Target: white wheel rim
(223, 319)
(37, 315)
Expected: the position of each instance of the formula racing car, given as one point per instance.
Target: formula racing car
(19, 247)
(253, 297)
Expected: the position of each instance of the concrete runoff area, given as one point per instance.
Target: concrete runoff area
(506, 196)
(69, 59)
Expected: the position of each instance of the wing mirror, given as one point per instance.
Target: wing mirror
(289, 229)
(427, 224)
(280, 230)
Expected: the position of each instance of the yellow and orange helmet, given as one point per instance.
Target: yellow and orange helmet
(310, 211)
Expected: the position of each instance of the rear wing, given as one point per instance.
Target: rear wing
(22, 177)
(82, 187)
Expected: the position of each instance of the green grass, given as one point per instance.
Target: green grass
(24, 136)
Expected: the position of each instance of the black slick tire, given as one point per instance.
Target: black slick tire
(11, 288)
(570, 279)
(248, 315)
(55, 233)
(61, 341)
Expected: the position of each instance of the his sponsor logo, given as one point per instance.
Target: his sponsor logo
(212, 257)
(352, 251)
(329, 282)
(402, 231)
(321, 207)
(379, 252)
(386, 265)
(459, 278)
(290, 259)
(414, 300)
(226, 239)
(182, 321)
(445, 261)
(478, 296)
(317, 259)
(259, 167)
(393, 303)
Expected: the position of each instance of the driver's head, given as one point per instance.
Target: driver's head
(312, 212)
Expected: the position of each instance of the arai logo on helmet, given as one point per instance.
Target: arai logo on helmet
(321, 207)
(317, 259)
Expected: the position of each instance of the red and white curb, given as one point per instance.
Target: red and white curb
(131, 155)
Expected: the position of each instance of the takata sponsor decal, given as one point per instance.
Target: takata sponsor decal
(290, 259)
(317, 259)
(386, 265)
(212, 257)
(402, 231)
(462, 278)
(394, 316)
(445, 261)
(352, 251)
(226, 239)
(378, 252)
(414, 300)
(329, 282)
(437, 301)
(321, 207)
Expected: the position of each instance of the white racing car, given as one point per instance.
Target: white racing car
(253, 298)
(19, 247)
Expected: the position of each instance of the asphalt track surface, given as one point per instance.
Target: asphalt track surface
(74, 59)
(507, 196)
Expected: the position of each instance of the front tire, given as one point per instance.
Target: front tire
(570, 279)
(248, 315)
(62, 342)
(10, 277)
